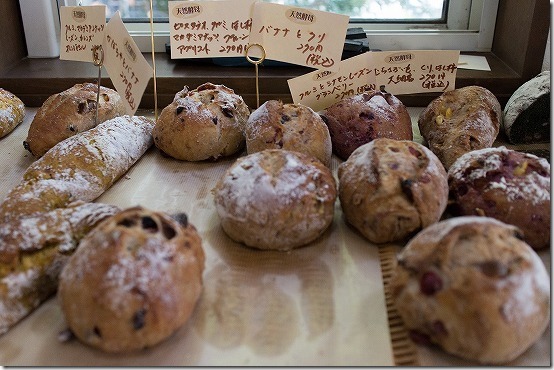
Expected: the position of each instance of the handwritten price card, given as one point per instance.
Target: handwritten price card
(128, 69)
(415, 71)
(321, 89)
(82, 27)
(300, 36)
(201, 29)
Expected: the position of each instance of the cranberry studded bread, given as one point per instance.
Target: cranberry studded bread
(527, 112)
(357, 120)
(390, 189)
(133, 281)
(472, 286)
(70, 112)
(204, 123)
(276, 199)
(460, 121)
(505, 184)
(12, 112)
(80, 168)
(275, 125)
(33, 251)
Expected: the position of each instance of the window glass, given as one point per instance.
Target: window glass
(362, 10)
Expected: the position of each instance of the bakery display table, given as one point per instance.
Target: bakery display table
(321, 305)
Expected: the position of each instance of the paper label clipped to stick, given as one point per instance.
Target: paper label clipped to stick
(321, 89)
(415, 71)
(204, 29)
(300, 36)
(126, 66)
(82, 28)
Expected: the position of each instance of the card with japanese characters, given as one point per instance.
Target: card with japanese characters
(126, 66)
(415, 71)
(300, 36)
(82, 28)
(205, 29)
(321, 89)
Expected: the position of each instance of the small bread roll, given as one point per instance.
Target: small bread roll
(505, 184)
(12, 112)
(200, 124)
(389, 189)
(359, 119)
(472, 286)
(70, 112)
(133, 281)
(275, 125)
(275, 199)
(460, 121)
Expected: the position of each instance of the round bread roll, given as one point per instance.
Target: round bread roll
(12, 112)
(472, 286)
(275, 125)
(389, 189)
(133, 281)
(508, 185)
(67, 113)
(357, 120)
(205, 123)
(460, 121)
(276, 199)
(527, 112)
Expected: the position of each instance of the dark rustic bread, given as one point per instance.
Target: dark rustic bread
(12, 112)
(460, 121)
(357, 120)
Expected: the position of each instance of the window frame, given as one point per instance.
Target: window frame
(471, 30)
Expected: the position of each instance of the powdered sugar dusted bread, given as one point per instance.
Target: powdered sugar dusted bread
(275, 125)
(275, 199)
(460, 121)
(12, 112)
(67, 113)
(33, 251)
(511, 186)
(79, 168)
(472, 286)
(389, 189)
(527, 112)
(134, 280)
(357, 120)
(204, 123)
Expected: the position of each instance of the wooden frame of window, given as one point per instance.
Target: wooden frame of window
(517, 55)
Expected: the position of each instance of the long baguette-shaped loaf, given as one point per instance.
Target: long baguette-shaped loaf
(79, 168)
(33, 251)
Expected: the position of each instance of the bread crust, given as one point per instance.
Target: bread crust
(12, 112)
(69, 112)
(200, 124)
(472, 286)
(276, 125)
(359, 119)
(275, 199)
(390, 189)
(134, 280)
(460, 121)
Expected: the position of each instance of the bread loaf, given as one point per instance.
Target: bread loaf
(460, 121)
(79, 168)
(12, 112)
(134, 280)
(33, 251)
(70, 112)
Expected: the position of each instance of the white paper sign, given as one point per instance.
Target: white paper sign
(126, 66)
(300, 36)
(415, 71)
(82, 28)
(321, 89)
(202, 29)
